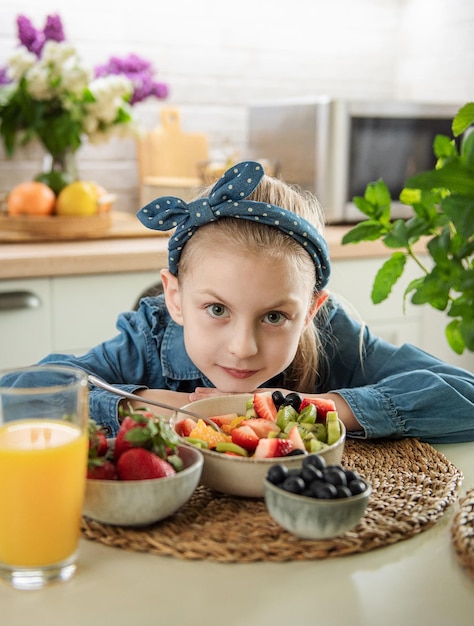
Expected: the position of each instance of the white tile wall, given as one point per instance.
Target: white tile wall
(217, 56)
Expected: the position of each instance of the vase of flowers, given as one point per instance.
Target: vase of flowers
(46, 94)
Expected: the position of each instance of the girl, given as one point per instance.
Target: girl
(245, 308)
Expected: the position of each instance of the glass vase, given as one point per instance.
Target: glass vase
(59, 170)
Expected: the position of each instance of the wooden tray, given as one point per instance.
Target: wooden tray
(116, 225)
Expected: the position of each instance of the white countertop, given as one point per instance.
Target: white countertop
(413, 582)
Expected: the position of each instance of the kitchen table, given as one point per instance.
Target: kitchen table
(412, 582)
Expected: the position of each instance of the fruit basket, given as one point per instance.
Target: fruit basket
(56, 227)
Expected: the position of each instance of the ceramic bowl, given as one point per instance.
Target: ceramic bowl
(241, 476)
(142, 502)
(314, 518)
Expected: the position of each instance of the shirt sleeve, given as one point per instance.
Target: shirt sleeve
(132, 355)
(397, 391)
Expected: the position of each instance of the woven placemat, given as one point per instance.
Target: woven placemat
(413, 484)
(462, 532)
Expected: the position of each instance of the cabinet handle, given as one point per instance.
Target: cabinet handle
(10, 300)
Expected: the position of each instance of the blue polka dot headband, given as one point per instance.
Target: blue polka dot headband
(228, 198)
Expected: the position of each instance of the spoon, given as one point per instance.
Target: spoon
(131, 396)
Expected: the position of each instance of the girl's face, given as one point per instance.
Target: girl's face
(242, 317)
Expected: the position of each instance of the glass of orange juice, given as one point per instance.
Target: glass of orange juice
(43, 464)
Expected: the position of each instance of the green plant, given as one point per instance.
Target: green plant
(443, 212)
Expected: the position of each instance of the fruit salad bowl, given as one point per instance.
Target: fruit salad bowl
(143, 502)
(244, 476)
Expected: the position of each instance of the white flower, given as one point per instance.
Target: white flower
(39, 83)
(19, 62)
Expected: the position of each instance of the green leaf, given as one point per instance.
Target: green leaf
(433, 290)
(463, 119)
(369, 230)
(444, 147)
(467, 152)
(387, 276)
(454, 337)
(364, 207)
(398, 235)
(453, 176)
(460, 210)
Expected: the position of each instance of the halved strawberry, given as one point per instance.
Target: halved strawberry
(295, 437)
(224, 420)
(271, 448)
(323, 405)
(185, 426)
(261, 426)
(245, 437)
(264, 406)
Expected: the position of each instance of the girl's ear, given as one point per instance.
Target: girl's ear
(172, 295)
(318, 300)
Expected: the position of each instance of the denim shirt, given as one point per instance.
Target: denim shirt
(393, 391)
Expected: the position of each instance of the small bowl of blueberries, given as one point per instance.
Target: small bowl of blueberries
(316, 500)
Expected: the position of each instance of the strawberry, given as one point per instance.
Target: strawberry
(224, 420)
(185, 427)
(101, 469)
(295, 437)
(121, 442)
(323, 405)
(97, 440)
(245, 437)
(264, 406)
(271, 448)
(141, 464)
(261, 426)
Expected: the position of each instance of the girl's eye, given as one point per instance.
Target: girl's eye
(217, 310)
(275, 318)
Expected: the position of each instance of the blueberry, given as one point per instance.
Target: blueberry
(335, 475)
(293, 399)
(343, 491)
(293, 484)
(295, 452)
(309, 473)
(324, 491)
(278, 399)
(316, 460)
(277, 474)
(352, 475)
(356, 486)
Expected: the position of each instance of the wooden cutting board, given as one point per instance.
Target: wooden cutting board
(167, 151)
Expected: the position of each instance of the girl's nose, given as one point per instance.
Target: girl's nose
(243, 342)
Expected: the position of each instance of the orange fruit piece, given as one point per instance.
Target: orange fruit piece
(207, 433)
(31, 198)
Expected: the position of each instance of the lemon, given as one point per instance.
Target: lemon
(78, 199)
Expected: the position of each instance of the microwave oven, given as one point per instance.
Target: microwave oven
(335, 147)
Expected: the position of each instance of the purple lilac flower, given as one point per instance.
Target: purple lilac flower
(4, 80)
(29, 36)
(139, 72)
(34, 39)
(53, 30)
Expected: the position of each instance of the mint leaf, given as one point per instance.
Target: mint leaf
(387, 276)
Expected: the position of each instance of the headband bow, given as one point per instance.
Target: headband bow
(228, 198)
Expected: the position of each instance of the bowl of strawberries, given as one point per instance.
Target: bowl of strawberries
(256, 431)
(143, 475)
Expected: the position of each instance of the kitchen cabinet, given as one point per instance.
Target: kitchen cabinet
(351, 281)
(63, 314)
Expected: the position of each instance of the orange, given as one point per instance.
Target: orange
(31, 198)
(207, 433)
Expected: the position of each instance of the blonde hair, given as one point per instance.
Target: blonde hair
(240, 234)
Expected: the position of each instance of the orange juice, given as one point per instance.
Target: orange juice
(42, 482)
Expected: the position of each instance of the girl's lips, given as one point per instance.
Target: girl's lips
(240, 374)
